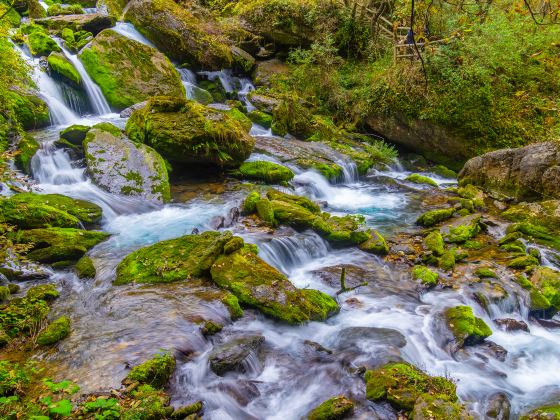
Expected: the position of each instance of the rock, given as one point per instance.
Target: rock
(180, 34)
(34, 215)
(261, 118)
(535, 233)
(426, 276)
(350, 337)
(420, 179)
(54, 332)
(173, 260)
(233, 355)
(433, 217)
(40, 44)
(430, 407)
(210, 328)
(490, 292)
(489, 348)
(537, 302)
(85, 268)
(447, 261)
(465, 327)
(244, 61)
(27, 147)
(461, 229)
(376, 244)
(268, 172)
(128, 71)
(83, 210)
(53, 245)
(544, 213)
(30, 110)
(402, 385)
(498, 407)
(75, 134)
(120, 166)
(126, 113)
(510, 324)
(93, 22)
(485, 273)
(155, 372)
(335, 408)
(548, 412)
(548, 281)
(257, 284)
(433, 242)
(59, 65)
(263, 103)
(184, 131)
(527, 173)
(523, 262)
(187, 411)
(265, 70)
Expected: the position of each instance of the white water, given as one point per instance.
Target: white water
(44, 5)
(129, 30)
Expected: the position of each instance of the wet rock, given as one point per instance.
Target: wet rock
(34, 214)
(526, 173)
(510, 324)
(433, 217)
(548, 281)
(155, 371)
(349, 337)
(234, 354)
(54, 332)
(376, 244)
(129, 72)
(265, 70)
(216, 222)
(127, 112)
(242, 391)
(461, 229)
(543, 213)
(426, 276)
(187, 132)
(491, 349)
(267, 172)
(465, 327)
(335, 408)
(430, 407)
(232, 217)
(122, 167)
(548, 412)
(183, 36)
(93, 22)
(317, 347)
(27, 146)
(75, 134)
(85, 268)
(498, 407)
(549, 323)
(490, 292)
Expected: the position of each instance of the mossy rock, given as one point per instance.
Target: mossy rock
(430, 407)
(486, 273)
(210, 328)
(85, 268)
(426, 276)
(4, 293)
(261, 118)
(173, 260)
(75, 134)
(265, 211)
(54, 332)
(539, 234)
(59, 65)
(53, 245)
(547, 281)
(71, 9)
(121, 166)
(154, 372)
(180, 34)
(544, 214)
(32, 215)
(267, 172)
(523, 262)
(420, 179)
(233, 355)
(433, 242)
(548, 412)
(376, 244)
(249, 205)
(433, 217)
(241, 118)
(465, 327)
(447, 261)
(129, 72)
(402, 385)
(83, 210)
(461, 229)
(27, 146)
(538, 303)
(304, 202)
(46, 292)
(444, 172)
(184, 131)
(292, 214)
(473, 193)
(257, 284)
(30, 110)
(40, 44)
(335, 408)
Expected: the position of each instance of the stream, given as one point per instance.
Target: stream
(386, 320)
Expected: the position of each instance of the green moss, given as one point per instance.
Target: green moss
(335, 408)
(173, 260)
(432, 407)
(420, 179)
(27, 147)
(210, 328)
(304, 202)
(83, 210)
(473, 244)
(46, 292)
(536, 233)
(85, 268)
(517, 247)
(154, 372)
(250, 203)
(231, 302)
(4, 293)
(40, 44)
(486, 272)
(447, 260)
(523, 262)
(241, 118)
(265, 211)
(54, 332)
(402, 384)
(433, 217)
(59, 65)
(13, 288)
(434, 243)
(233, 245)
(425, 275)
(462, 229)
(59, 244)
(75, 134)
(444, 172)
(331, 171)
(548, 412)
(261, 118)
(129, 72)
(547, 281)
(31, 111)
(466, 328)
(537, 301)
(71, 9)
(31, 215)
(257, 284)
(268, 172)
(108, 127)
(376, 244)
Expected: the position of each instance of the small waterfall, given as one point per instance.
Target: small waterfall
(189, 81)
(76, 99)
(44, 5)
(128, 30)
(224, 76)
(246, 87)
(350, 173)
(97, 100)
(259, 131)
(49, 91)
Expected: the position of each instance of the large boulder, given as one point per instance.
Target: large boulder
(181, 35)
(184, 131)
(465, 327)
(128, 71)
(544, 213)
(122, 167)
(94, 22)
(527, 173)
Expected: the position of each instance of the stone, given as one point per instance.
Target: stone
(462, 229)
(465, 327)
(233, 354)
(336, 408)
(54, 332)
(93, 22)
(63, 68)
(155, 371)
(268, 172)
(498, 407)
(510, 324)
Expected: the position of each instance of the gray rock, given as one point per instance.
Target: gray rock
(234, 354)
(498, 407)
(510, 324)
(125, 113)
(122, 167)
(527, 173)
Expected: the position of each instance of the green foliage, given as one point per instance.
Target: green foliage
(13, 377)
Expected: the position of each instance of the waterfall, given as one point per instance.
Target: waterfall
(246, 87)
(97, 100)
(128, 30)
(44, 5)
(49, 91)
(350, 173)
(189, 81)
(224, 76)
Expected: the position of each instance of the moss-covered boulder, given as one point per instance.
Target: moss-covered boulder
(485, 273)
(64, 69)
(336, 408)
(534, 232)
(433, 217)
(41, 44)
(83, 210)
(59, 245)
(523, 262)
(268, 172)
(85, 268)
(27, 146)
(548, 412)
(154, 372)
(122, 167)
(376, 244)
(184, 131)
(433, 242)
(71, 9)
(34, 214)
(173, 260)
(421, 179)
(538, 304)
(54, 332)
(180, 34)
(547, 281)
(426, 276)
(465, 327)
(402, 385)
(91, 22)
(75, 133)
(129, 72)
(432, 407)
(462, 229)
(545, 214)
(257, 284)
(261, 118)
(30, 110)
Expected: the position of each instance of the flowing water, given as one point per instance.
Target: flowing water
(385, 320)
